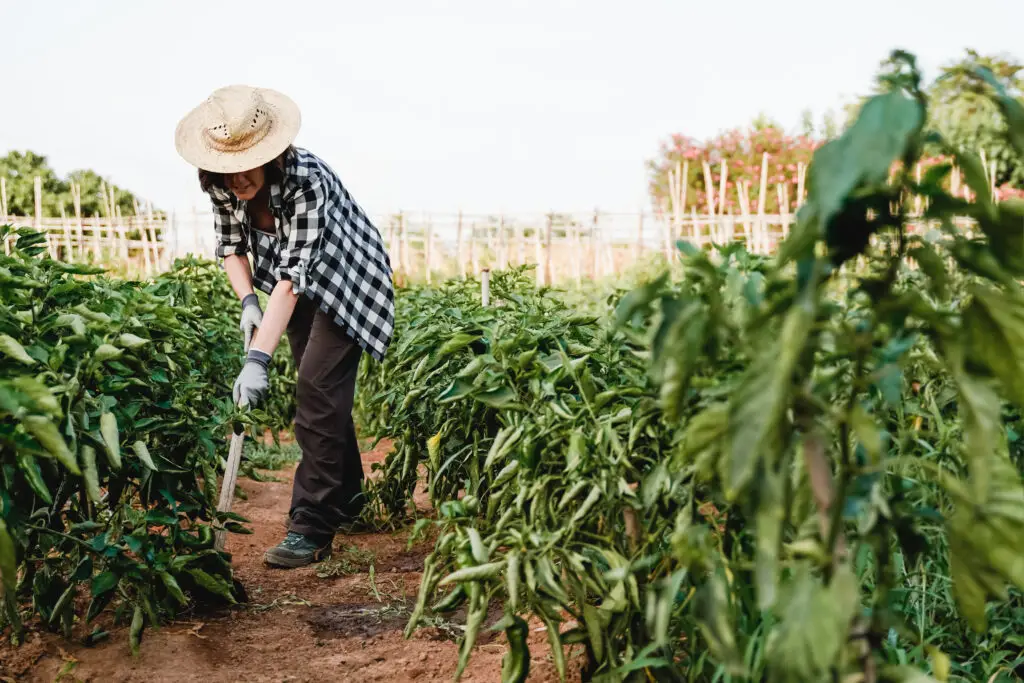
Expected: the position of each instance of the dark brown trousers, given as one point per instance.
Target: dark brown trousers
(328, 482)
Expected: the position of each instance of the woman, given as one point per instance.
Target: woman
(324, 265)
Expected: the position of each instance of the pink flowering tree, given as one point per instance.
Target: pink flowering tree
(742, 149)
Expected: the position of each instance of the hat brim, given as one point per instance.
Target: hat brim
(191, 142)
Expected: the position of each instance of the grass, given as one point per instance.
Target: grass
(260, 456)
(347, 560)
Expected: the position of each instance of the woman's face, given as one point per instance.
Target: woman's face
(247, 184)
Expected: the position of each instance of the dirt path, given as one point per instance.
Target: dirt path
(298, 626)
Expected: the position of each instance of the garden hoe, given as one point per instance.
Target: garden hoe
(227, 488)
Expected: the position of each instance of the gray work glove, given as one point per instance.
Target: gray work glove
(252, 383)
(252, 318)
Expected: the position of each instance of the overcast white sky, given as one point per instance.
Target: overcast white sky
(478, 104)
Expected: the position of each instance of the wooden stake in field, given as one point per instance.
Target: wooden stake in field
(122, 234)
(485, 287)
(429, 249)
(723, 184)
(66, 227)
(753, 242)
(76, 203)
(154, 242)
(458, 248)
(801, 179)
(538, 255)
(147, 262)
(549, 273)
(577, 266)
(762, 201)
(667, 233)
(709, 189)
(403, 227)
(594, 249)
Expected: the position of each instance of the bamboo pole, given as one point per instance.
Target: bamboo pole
(96, 255)
(722, 186)
(429, 249)
(69, 254)
(594, 249)
(391, 243)
(673, 193)
(783, 191)
(577, 266)
(474, 258)
(762, 200)
(549, 273)
(684, 191)
(76, 202)
(458, 248)
(753, 243)
(122, 235)
(538, 255)
(404, 237)
(485, 288)
(503, 255)
(667, 232)
(696, 227)
(801, 181)
(154, 242)
(147, 261)
(709, 189)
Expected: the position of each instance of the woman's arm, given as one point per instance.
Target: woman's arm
(275, 320)
(239, 274)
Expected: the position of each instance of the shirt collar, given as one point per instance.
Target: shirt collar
(276, 201)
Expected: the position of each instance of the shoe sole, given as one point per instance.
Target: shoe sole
(269, 558)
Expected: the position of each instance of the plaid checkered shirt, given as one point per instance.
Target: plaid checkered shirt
(324, 244)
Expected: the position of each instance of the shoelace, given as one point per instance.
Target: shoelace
(293, 539)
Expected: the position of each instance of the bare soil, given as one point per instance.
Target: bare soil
(342, 621)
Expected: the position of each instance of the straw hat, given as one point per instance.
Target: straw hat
(237, 128)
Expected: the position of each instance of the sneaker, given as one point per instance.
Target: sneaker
(297, 550)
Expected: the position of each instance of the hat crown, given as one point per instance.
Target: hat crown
(237, 118)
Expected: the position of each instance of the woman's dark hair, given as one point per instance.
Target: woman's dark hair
(273, 169)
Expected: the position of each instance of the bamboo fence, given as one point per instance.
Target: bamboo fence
(429, 247)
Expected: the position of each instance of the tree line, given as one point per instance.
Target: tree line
(960, 111)
(20, 168)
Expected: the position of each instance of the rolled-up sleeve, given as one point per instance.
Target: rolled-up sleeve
(305, 233)
(230, 237)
